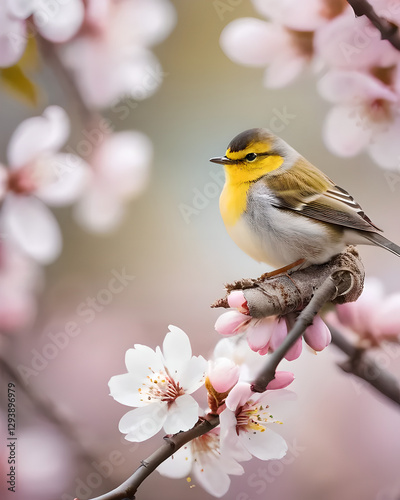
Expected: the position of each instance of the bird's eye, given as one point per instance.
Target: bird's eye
(251, 157)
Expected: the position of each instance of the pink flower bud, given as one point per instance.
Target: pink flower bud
(281, 380)
(230, 322)
(223, 374)
(318, 335)
(237, 300)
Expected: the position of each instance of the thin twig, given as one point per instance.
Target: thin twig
(389, 31)
(363, 366)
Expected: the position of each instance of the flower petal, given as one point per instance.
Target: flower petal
(279, 334)
(223, 374)
(345, 131)
(259, 332)
(178, 465)
(182, 414)
(281, 380)
(252, 42)
(295, 351)
(239, 396)
(39, 134)
(267, 445)
(231, 445)
(230, 322)
(13, 39)
(143, 423)
(210, 476)
(318, 335)
(193, 375)
(177, 350)
(32, 225)
(385, 146)
(141, 359)
(72, 175)
(98, 211)
(62, 23)
(124, 389)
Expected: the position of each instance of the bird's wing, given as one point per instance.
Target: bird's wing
(310, 193)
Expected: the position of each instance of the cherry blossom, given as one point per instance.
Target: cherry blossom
(120, 171)
(33, 178)
(245, 426)
(266, 334)
(202, 458)
(223, 374)
(20, 278)
(111, 60)
(55, 21)
(373, 318)
(159, 384)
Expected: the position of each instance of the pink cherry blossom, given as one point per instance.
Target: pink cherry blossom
(20, 279)
(111, 60)
(373, 318)
(245, 425)
(365, 116)
(267, 334)
(120, 171)
(223, 374)
(202, 458)
(159, 384)
(33, 178)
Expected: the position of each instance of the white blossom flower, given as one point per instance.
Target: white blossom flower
(159, 384)
(244, 425)
(37, 173)
(202, 458)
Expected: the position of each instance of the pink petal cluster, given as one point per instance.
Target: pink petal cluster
(111, 57)
(266, 334)
(38, 175)
(374, 317)
(361, 71)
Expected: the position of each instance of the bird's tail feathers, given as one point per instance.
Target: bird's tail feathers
(383, 242)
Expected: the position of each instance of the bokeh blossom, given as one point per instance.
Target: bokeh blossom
(119, 171)
(159, 384)
(110, 58)
(33, 179)
(202, 458)
(373, 318)
(267, 334)
(361, 70)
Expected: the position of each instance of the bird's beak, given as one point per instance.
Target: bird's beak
(222, 160)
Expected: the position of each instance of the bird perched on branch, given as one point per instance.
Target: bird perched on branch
(282, 210)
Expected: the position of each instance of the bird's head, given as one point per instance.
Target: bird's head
(253, 154)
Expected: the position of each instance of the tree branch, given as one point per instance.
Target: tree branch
(363, 366)
(283, 294)
(389, 31)
(172, 444)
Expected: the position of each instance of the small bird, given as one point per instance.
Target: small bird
(282, 210)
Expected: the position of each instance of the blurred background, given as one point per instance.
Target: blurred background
(343, 438)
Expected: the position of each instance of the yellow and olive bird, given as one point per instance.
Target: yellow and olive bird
(282, 210)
